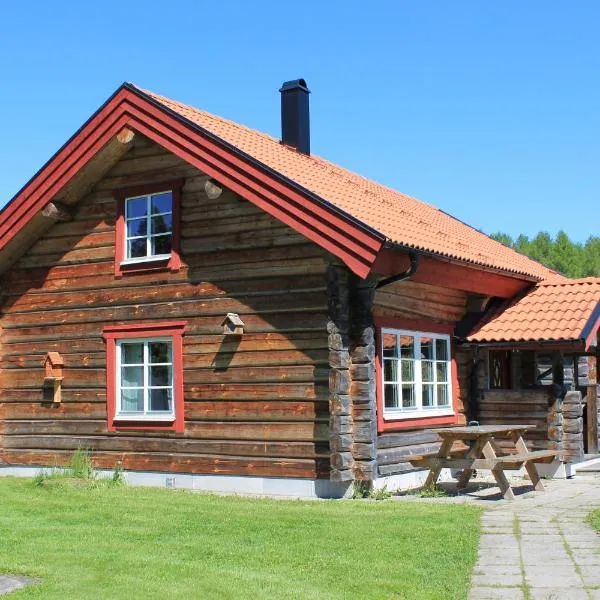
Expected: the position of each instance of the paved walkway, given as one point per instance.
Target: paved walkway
(539, 546)
(10, 583)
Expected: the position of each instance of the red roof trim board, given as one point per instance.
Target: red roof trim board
(349, 216)
(554, 311)
(339, 235)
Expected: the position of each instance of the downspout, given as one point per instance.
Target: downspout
(414, 263)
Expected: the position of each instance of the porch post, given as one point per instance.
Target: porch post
(593, 390)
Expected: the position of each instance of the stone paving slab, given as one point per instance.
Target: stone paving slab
(10, 583)
(540, 544)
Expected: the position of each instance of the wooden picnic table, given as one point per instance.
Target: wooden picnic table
(485, 454)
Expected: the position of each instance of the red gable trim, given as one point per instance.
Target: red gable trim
(590, 331)
(322, 224)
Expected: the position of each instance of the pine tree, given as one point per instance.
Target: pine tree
(560, 253)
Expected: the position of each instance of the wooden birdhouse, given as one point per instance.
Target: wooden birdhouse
(53, 377)
(232, 324)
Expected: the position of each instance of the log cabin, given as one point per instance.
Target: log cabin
(206, 306)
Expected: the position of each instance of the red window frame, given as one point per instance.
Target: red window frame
(112, 333)
(403, 423)
(173, 263)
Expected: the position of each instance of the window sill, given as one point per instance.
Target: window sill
(146, 260)
(417, 414)
(164, 262)
(132, 418)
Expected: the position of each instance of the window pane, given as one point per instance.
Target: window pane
(161, 203)
(161, 399)
(427, 348)
(408, 370)
(427, 370)
(442, 371)
(132, 400)
(443, 398)
(390, 348)
(390, 370)
(137, 227)
(391, 396)
(136, 207)
(428, 400)
(132, 376)
(162, 224)
(407, 346)
(161, 245)
(441, 350)
(136, 248)
(408, 396)
(160, 352)
(160, 375)
(132, 354)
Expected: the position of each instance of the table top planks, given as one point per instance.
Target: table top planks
(474, 432)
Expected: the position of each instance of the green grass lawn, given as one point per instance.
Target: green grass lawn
(122, 542)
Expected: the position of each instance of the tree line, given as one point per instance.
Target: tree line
(559, 253)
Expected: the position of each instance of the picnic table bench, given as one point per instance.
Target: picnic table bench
(484, 454)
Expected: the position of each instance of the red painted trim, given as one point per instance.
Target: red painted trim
(112, 333)
(413, 325)
(452, 274)
(591, 339)
(384, 425)
(174, 263)
(318, 222)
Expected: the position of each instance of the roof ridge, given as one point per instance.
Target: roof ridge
(403, 220)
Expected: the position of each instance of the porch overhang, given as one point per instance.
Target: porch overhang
(553, 314)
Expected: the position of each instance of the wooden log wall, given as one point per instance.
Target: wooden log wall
(255, 406)
(421, 302)
(519, 407)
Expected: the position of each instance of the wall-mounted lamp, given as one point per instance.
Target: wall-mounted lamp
(212, 189)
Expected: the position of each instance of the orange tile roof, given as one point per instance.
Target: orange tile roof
(552, 310)
(403, 220)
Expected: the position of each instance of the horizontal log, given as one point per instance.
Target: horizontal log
(106, 295)
(406, 438)
(282, 323)
(216, 430)
(120, 443)
(178, 463)
(269, 303)
(65, 410)
(389, 456)
(45, 245)
(219, 360)
(193, 344)
(206, 411)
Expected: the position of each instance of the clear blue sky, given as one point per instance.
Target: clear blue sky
(488, 110)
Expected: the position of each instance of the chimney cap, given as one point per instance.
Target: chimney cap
(294, 84)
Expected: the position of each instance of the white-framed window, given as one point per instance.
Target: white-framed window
(144, 379)
(148, 227)
(416, 374)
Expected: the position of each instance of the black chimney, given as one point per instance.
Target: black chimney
(295, 120)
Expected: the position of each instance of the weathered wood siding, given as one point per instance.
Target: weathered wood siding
(526, 407)
(257, 406)
(419, 302)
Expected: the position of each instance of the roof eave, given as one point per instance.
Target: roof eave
(452, 259)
